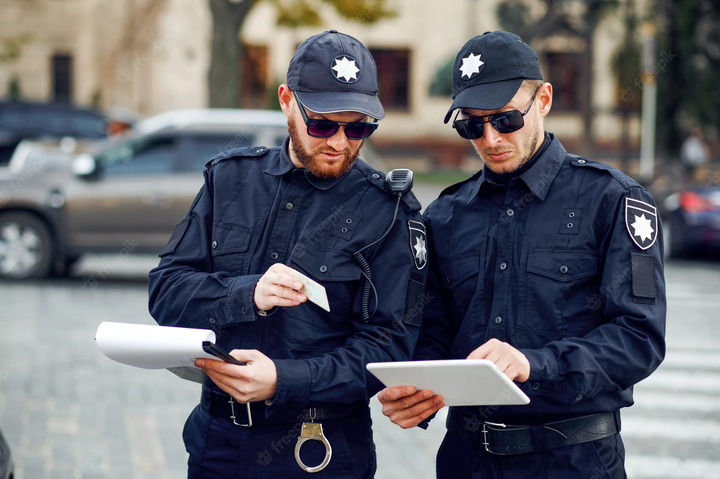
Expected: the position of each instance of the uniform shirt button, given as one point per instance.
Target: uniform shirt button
(536, 386)
(582, 162)
(563, 269)
(348, 221)
(503, 266)
(572, 215)
(274, 255)
(449, 279)
(289, 206)
(376, 176)
(244, 310)
(323, 268)
(344, 230)
(569, 225)
(212, 320)
(578, 397)
(214, 244)
(498, 319)
(510, 212)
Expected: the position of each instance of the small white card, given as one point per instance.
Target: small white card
(314, 291)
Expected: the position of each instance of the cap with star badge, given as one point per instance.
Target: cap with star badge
(332, 72)
(489, 70)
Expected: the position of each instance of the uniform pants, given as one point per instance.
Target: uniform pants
(219, 449)
(601, 459)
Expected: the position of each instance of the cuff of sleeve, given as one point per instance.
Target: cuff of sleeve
(241, 305)
(543, 372)
(293, 384)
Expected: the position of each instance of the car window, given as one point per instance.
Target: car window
(37, 122)
(205, 147)
(140, 157)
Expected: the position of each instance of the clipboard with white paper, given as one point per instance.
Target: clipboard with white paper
(461, 382)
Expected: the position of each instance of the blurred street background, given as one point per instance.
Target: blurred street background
(109, 110)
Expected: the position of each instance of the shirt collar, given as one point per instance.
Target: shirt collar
(540, 176)
(283, 164)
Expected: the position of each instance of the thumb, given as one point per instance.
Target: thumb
(246, 355)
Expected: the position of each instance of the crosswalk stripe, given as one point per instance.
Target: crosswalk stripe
(693, 360)
(651, 401)
(634, 426)
(639, 467)
(701, 380)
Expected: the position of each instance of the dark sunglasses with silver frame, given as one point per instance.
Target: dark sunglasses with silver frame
(504, 122)
(354, 130)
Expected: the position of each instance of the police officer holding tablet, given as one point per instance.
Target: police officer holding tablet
(549, 265)
(264, 218)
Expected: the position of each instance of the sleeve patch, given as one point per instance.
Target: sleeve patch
(414, 302)
(418, 243)
(177, 235)
(643, 275)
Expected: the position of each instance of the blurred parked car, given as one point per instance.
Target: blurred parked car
(6, 463)
(124, 196)
(28, 120)
(692, 221)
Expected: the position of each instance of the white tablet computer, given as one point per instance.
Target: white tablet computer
(461, 382)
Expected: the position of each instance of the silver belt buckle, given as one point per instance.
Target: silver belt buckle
(312, 432)
(485, 442)
(232, 411)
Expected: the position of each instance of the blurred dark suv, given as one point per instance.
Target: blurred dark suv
(123, 196)
(28, 120)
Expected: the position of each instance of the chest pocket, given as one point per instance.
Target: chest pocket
(460, 276)
(229, 248)
(308, 327)
(561, 288)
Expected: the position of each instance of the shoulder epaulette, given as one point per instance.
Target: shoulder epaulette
(242, 152)
(621, 177)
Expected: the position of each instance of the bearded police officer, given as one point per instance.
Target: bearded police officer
(545, 263)
(300, 403)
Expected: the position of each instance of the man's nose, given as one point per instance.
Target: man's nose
(490, 136)
(338, 141)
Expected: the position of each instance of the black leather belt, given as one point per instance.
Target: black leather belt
(505, 439)
(253, 414)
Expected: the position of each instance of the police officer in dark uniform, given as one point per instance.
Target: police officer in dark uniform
(300, 404)
(548, 264)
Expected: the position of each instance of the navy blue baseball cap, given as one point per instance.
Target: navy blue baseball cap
(489, 70)
(332, 72)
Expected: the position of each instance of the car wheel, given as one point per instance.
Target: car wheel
(25, 247)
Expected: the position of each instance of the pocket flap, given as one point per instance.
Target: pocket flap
(454, 271)
(325, 264)
(563, 265)
(229, 238)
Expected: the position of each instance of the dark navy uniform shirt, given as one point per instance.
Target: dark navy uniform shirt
(257, 209)
(563, 262)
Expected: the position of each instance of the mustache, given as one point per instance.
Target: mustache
(495, 151)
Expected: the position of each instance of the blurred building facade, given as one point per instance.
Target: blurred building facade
(152, 56)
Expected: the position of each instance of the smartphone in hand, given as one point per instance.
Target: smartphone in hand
(218, 352)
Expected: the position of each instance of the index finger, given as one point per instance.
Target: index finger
(395, 393)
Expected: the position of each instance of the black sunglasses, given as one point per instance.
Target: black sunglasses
(354, 130)
(505, 122)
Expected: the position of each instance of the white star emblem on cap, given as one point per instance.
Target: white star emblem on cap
(471, 65)
(346, 69)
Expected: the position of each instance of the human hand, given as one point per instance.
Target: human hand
(255, 381)
(408, 407)
(278, 287)
(508, 359)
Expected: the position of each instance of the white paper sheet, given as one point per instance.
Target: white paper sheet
(152, 347)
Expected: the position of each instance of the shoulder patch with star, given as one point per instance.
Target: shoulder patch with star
(418, 243)
(641, 221)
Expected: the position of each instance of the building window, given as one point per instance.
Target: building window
(564, 74)
(393, 77)
(62, 78)
(254, 77)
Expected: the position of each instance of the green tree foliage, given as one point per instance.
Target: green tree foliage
(229, 17)
(688, 93)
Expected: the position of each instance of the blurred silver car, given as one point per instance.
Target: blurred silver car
(122, 196)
